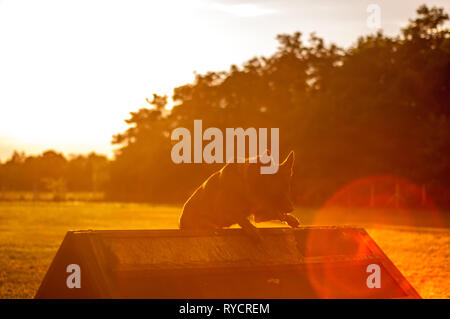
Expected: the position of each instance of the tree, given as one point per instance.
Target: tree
(378, 107)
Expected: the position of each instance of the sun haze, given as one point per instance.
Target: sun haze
(71, 71)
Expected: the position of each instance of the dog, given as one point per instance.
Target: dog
(236, 192)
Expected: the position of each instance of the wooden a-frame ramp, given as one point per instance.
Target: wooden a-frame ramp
(308, 262)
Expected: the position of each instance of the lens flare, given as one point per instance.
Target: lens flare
(381, 200)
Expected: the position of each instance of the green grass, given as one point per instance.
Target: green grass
(30, 234)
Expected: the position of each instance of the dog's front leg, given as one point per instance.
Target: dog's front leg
(291, 220)
(250, 229)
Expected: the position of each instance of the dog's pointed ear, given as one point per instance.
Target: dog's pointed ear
(288, 163)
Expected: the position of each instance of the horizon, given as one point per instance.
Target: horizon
(72, 79)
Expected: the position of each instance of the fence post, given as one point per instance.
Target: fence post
(372, 195)
(34, 192)
(397, 195)
(349, 200)
(424, 195)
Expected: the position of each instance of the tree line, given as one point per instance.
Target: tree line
(53, 172)
(379, 107)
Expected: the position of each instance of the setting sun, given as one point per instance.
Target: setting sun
(80, 67)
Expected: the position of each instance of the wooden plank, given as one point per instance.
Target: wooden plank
(308, 262)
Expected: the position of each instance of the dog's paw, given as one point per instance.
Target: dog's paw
(292, 221)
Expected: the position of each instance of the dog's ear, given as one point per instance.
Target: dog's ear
(288, 163)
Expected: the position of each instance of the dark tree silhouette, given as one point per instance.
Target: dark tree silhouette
(378, 107)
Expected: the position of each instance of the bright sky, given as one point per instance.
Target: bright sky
(71, 71)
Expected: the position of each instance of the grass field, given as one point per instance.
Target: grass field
(30, 234)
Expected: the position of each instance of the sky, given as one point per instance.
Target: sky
(71, 71)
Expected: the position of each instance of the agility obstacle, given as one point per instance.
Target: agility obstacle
(307, 262)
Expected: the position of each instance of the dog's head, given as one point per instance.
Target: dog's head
(272, 192)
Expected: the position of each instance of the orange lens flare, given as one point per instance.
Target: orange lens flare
(381, 200)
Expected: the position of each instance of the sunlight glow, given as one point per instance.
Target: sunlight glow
(244, 10)
(71, 71)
